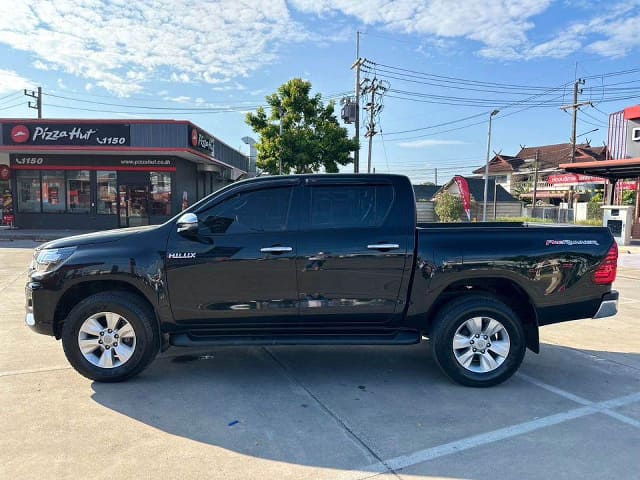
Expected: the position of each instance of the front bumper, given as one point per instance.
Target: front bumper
(36, 315)
(608, 305)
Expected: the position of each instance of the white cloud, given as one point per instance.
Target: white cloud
(498, 24)
(621, 37)
(611, 33)
(430, 142)
(180, 99)
(10, 81)
(120, 45)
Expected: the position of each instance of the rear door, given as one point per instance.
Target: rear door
(352, 250)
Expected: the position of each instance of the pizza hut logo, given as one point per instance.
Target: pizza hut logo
(194, 137)
(20, 134)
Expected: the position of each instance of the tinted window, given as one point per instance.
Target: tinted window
(350, 206)
(256, 211)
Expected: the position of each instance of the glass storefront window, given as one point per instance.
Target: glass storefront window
(160, 193)
(28, 191)
(107, 192)
(53, 191)
(78, 191)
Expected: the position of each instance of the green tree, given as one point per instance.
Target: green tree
(311, 136)
(449, 207)
(628, 197)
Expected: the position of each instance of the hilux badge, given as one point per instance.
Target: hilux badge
(181, 255)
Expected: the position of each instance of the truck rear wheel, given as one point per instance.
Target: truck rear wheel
(111, 336)
(478, 341)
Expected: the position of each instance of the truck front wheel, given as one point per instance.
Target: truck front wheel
(477, 341)
(111, 336)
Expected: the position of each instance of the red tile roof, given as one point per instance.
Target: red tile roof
(551, 156)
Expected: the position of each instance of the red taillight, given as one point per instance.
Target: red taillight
(606, 272)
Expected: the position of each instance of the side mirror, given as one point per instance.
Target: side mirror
(188, 223)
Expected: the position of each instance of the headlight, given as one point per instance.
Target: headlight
(49, 259)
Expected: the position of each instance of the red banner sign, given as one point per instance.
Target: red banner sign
(564, 178)
(463, 186)
(627, 185)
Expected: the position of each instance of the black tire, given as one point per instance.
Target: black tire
(457, 312)
(136, 312)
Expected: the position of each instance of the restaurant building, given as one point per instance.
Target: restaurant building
(99, 174)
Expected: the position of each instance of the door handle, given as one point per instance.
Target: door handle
(276, 250)
(383, 246)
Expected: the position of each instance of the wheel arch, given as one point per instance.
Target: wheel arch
(78, 292)
(505, 290)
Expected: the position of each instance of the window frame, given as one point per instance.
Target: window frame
(19, 192)
(308, 204)
(290, 221)
(68, 208)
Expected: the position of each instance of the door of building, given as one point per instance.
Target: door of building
(133, 205)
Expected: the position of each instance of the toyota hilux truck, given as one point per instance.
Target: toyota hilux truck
(317, 260)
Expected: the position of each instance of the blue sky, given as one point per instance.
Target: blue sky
(228, 54)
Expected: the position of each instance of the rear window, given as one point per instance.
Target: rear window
(352, 206)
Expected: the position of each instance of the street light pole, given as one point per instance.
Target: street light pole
(486, 169)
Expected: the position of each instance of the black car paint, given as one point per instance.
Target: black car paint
(330, 282)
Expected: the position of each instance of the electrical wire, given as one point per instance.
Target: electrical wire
(228, 108)
(13, 106)
(462, 80)
(10, 97)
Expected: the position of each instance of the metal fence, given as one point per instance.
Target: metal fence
(551, 214)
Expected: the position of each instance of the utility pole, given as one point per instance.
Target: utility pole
(486, 168)
(436, 175)
(357, 64)
(535, 181)
(281, 112)
(574, 107)
(38, 100)
(374, 87)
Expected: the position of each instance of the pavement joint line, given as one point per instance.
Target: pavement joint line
(328, 411)
(13, 373)
(583, 401)
(12, 281)
(632, 300)
(457, 446)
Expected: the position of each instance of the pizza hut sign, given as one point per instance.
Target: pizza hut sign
(66, 134)
(201, 141)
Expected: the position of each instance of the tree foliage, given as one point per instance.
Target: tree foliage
(311, 136)
(448, 207)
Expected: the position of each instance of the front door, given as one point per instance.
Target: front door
(352, 251)
(239, 268)
(133, 205)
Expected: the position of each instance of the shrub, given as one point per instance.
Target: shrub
(448, 207)
(594, 212)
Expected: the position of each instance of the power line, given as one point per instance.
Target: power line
(146, 107)
(227, 108)
(7, 98)
(13, 106)
(436, 125)
(463, 80)
(601, 122)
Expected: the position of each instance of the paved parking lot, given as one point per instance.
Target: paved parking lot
(323, 412)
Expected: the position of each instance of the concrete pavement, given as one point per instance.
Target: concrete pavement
(323, 412)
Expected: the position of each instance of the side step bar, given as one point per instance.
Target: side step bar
(403, 337)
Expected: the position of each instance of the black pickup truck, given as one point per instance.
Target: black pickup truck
(317, 259)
